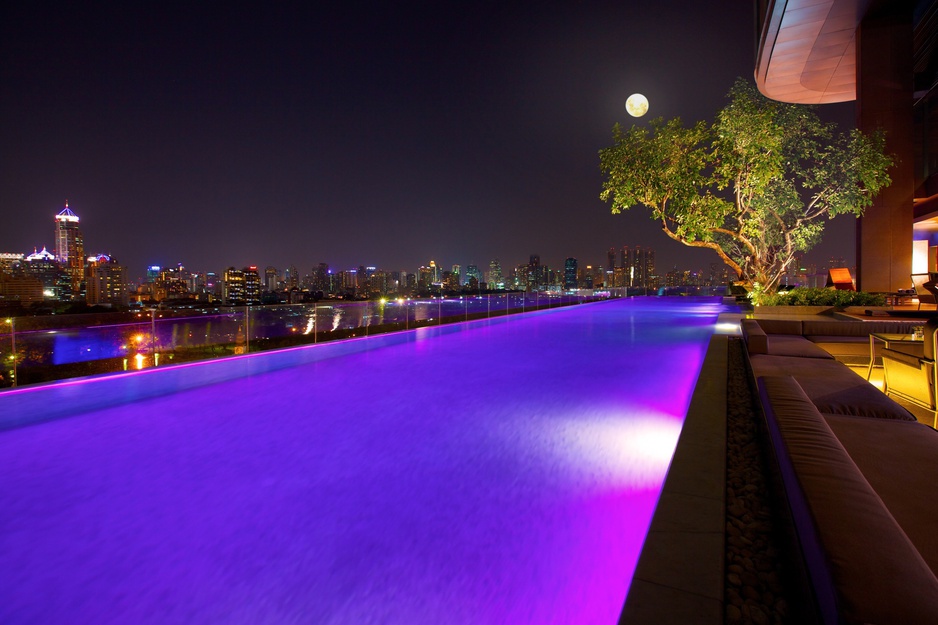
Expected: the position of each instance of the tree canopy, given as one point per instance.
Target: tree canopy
(756, 186)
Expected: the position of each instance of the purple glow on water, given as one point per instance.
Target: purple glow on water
(500, 471)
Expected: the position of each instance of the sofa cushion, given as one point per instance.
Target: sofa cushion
(842, 346)
(898, 459)
(780, 326)
(863, 566)
(790, 345)
(832, 386)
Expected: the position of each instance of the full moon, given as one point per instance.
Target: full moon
(636, 105)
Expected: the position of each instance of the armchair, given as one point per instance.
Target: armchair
(926, 289)
(839, 278)
(911, 377)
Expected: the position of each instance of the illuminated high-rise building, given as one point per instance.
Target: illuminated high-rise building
(321, 281)
(233, 287)
(569, 274)
(638, 267)
(473, 277)
(271, 278)
(70, 248)
(172, 283)
(536, 273)
(56, 283)
(291, 278)
(105, 282)
(425, 278)
(252, 285)
(450, 280)
(496, 280)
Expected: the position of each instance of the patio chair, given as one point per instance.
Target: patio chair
(840, 279)
(912, 377)
(926, 289)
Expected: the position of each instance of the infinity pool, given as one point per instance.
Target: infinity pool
(498, 471)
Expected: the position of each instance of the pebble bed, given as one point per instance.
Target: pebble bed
(759, 585)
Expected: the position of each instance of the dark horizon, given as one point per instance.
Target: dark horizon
(366, 135)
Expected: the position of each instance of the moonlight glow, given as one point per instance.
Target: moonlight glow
(636, 105)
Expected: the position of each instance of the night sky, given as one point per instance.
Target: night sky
(358, 133)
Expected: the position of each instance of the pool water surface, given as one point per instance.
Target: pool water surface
(497, 471)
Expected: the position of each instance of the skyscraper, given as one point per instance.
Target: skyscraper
(473, 276)
(252, 285)
(496, 279)
(535, 279)
(234, 287)
(291, 277)
(424, 279)
(651, 278)
(271, 278)
(70, 248)
(321, 280)
(569, 274)
(638, 267)
(105, 282)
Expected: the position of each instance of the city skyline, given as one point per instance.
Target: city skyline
(69, 237)
(290, 135)
(71, 275)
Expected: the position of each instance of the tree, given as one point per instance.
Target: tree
(756, 186)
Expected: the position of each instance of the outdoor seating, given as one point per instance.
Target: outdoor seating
(912, 377)
(840, 279)
(926, 289)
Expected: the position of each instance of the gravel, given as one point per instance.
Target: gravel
(763, 584)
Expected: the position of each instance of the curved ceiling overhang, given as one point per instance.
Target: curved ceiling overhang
(807, 51)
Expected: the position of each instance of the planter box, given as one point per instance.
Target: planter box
(793, 310)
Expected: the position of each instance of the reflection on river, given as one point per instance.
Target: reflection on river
(40, 349)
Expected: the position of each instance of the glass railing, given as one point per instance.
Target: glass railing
(47, 348)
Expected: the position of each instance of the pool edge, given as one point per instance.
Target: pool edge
(680, 573)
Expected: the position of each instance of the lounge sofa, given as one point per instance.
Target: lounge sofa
(779, 347)
(858, 470)
(861, 493)
(846, 341)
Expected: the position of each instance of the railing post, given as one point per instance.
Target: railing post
(153, 335)
(247, 329)
(315, 319)
(12, 321)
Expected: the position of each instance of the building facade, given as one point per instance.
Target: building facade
(70, 249)
(883, 54)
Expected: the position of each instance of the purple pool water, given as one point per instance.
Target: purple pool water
(500, 471)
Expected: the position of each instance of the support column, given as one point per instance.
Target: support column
(884, 101)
